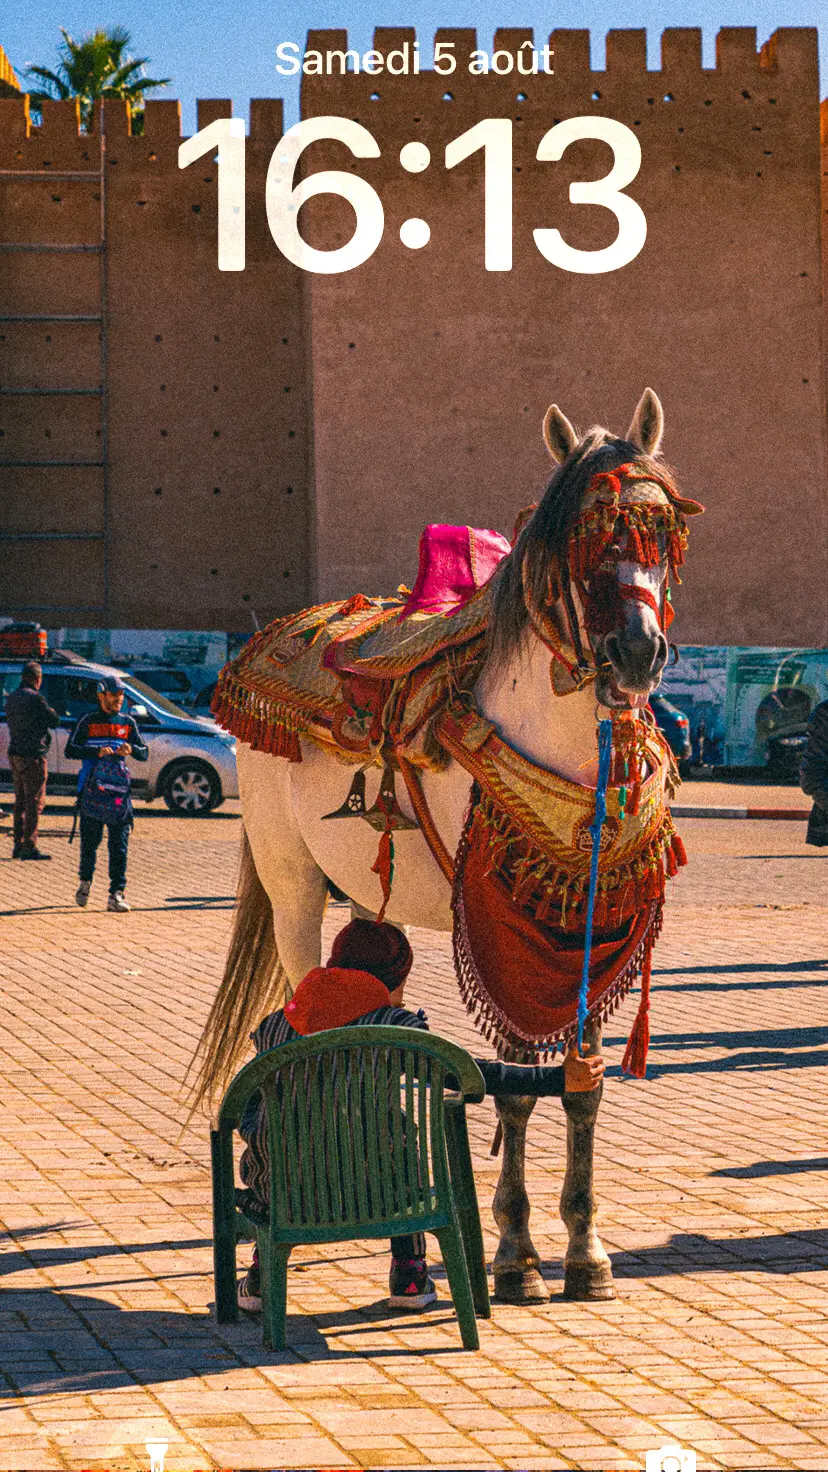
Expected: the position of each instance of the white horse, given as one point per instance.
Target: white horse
(292, 858)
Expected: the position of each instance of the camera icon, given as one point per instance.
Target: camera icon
(670, 1458)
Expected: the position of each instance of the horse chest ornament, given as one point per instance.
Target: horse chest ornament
(557, 886)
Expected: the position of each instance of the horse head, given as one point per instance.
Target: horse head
(594, 557)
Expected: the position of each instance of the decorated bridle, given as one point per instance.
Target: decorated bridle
(617, 524)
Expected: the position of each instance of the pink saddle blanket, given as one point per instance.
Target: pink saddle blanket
(454, 562)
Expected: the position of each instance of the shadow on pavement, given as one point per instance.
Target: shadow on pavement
(794, 1252)
(772, 1168)
(755, 1062)
(782, 1048)
(94, 1345)
(63, 1254)
(740, 968)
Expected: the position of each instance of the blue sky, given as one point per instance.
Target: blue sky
(223, 49)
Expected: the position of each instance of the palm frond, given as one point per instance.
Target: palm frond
(57, 89)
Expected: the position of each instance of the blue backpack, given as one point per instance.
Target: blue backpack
(105, 793)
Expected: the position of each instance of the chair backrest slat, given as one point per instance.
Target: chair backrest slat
(287, 1123)
(323, 1209)
(300, 1096)
(384, 1103)
(334, 1156)
(344, 1126)
(371, 1144)
(412, 1162)
(358, 1139)
(403, 1204)
(422, 1124)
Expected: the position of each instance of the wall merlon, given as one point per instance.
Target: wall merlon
(681, 49)
(571, 52)
(162, 122)
(736, 49)
(209, 110)
(627, 51)
(465, 42)
(327, 41)
(117, 120)
(511, 39)
(61, 120)
(393, 38)
(14, 119)
(793, 50)
(267, 120)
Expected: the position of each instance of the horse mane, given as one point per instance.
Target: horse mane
(542, 543)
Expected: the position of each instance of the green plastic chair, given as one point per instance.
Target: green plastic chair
(344, 1165)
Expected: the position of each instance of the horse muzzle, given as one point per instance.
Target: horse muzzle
(636, 657)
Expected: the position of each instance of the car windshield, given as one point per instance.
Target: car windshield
(158, 699)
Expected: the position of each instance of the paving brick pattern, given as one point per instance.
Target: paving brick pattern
(712, 1180)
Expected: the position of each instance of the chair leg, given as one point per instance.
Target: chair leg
(274, 1265)
(454, 1261)
(224, 1229)
(465, 1199)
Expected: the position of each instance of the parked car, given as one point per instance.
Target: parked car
(673, 724)
(203, 700)
(164, 678)
(782, 728)
(192, 762)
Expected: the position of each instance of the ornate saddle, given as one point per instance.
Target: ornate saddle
(367, 677)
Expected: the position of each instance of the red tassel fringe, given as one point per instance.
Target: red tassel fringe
(384, 867)
(635, 1054)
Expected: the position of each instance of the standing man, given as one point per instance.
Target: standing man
(31, 722)
(105, 732)
(813, 776)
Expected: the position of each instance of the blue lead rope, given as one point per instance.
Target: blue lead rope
(604, 760)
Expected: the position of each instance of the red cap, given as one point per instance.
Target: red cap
(375, 946)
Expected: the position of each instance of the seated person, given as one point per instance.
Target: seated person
(363, 985)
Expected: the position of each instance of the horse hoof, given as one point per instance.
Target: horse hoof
(520, 1285)
(588, 1282)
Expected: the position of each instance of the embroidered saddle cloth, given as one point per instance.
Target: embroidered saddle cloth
(521, 878)
(353, 677)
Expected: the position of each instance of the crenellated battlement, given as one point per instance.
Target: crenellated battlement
(58, 141)
(789, 55)
(790, 49)
(110, 277)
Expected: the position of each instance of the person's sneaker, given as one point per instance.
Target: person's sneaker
(409, 1285)
(17, 851)
(117, 902)
(34, 853)
(82, 893)
(250, 1290)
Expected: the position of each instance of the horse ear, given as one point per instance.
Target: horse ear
(558, 434)
(647, 426)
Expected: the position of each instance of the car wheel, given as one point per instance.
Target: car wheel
(191, 789)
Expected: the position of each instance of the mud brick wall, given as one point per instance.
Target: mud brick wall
(431, 375)
(153, 457)
(183, 447)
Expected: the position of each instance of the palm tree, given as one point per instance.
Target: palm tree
(96, 66)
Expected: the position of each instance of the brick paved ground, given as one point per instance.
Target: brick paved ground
(712, 1177)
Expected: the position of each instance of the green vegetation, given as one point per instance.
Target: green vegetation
(98, 65)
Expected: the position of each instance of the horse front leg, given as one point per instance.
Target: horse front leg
(517, 1264)
(587, 1269)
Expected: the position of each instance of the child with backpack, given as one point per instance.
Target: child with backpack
(101, 741)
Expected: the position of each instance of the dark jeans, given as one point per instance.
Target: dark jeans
(91, 833)
(404, 1248)
(29, 778)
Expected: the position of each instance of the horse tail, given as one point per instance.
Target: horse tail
(254, 983)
